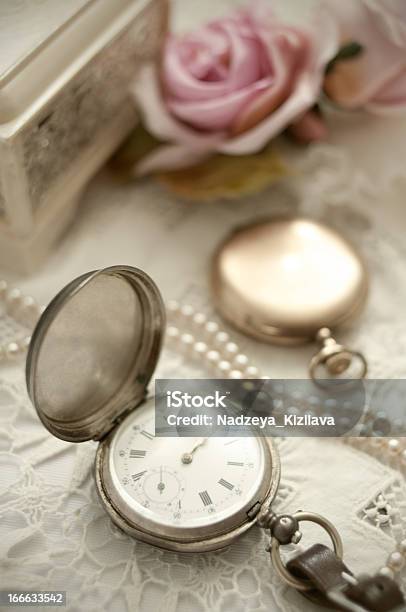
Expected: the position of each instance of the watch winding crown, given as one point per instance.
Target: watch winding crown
(283, 527)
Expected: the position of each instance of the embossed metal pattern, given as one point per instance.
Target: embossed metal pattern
(82, 109)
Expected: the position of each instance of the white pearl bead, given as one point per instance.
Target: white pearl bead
(200, 348)
(13, 299)
(224, 367)
(241, 360)
(235, 374)
(386, 571)
(222, 337)
(393, 446)
(252, 372)
(231, 349)
(187, 340)
(187, 311)
(211, 328)
(396, 561)
(172, 332)
(29, 308)
(12, 350)
(199, 319)
(213, 357)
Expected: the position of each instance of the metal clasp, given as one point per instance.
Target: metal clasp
(335, 358)
(285, 530)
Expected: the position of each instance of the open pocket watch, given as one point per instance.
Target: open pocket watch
(290, 280)
(91, 358)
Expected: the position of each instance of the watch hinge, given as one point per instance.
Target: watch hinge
(124, 412)
(120, 417)
(253, 511)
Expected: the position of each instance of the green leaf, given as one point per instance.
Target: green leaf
(347, 52)
(226, 177)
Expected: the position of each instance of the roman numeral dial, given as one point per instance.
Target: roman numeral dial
(137, 454)
(224, 483)
(138, 476)
(147, 435)
(205, 497)
(184, 482)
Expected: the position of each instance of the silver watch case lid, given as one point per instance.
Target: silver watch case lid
(282, 279)
(94, 351)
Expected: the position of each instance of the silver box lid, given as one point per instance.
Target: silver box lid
(27, 25)
(44, 43)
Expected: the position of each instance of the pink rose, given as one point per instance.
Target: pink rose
(376, 78)
(233, 86)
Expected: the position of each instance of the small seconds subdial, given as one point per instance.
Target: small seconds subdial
(188, 482)
(162, 485)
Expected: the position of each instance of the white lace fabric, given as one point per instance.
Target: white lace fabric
(54, 533)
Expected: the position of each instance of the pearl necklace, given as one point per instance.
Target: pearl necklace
(192, 333)
(195, 335)
(21, 310)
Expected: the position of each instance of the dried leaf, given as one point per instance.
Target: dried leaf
(226, 177)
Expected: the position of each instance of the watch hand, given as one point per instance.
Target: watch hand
(203, 441)
(161, 484)
(188, 457)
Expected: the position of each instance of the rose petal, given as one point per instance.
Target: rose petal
(287, 49)
(391, 15)
(394, 92)
(353, 83)
(169, 157)
(184, 83)
(220, 112)
(304, 95)
(159, 120)
(392, 98)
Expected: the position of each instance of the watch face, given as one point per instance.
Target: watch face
(185, 483)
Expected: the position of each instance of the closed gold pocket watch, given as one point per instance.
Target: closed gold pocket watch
(291, 280)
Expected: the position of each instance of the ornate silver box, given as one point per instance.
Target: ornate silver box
(65, 69)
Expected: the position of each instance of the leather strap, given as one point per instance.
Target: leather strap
(332, 584)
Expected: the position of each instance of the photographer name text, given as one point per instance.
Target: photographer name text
(259, 422)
